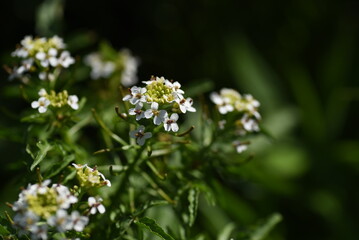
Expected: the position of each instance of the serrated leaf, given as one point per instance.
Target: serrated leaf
(153, 227)
(44, 148)
(193, 195)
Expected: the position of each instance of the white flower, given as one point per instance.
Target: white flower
(136, 96)
(60, 221)
(177, 92)
(38, 231)
(129, 74)
(137, 111)
(186, 105)
(222, 103)
(171, 123)
(99, 67)
(73, 100)
(78, 222)
(140, 135)
(41, 104)
(240, 146)
(65, 59)
(159, 115)
(249, 124)
(95, 205)
(64, 197)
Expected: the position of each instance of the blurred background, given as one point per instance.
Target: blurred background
(300, 59)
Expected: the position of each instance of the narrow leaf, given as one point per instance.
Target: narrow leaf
(44, 148)
(153, 227)
(193, 194)
(262, 231)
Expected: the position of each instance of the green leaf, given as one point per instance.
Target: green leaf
(262, 231)
(44, 148)
(226, 232)
(153, 227)
(193, 194)
(3, 230)
(65, 163)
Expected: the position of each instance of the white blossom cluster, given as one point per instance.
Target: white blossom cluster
(41, 207)
(102, 68)
(41, 55)
(55, 100)
(229, 100)
(160, 100)
(130, 66)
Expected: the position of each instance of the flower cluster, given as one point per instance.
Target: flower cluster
(40, 207)
(41, 55)
(125, 63)
(130, 65)
(90, 177)
(54, 99)
(229, 100)
(245, 106)
(100, 68)
(160, 100)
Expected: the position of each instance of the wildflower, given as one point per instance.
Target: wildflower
(99, 67)
(95, 205)
(39, 203)
(222, 103)
(72, 101)
(78, 222)
(249, 124)
(171, 123)
(90, 177)
(186, 105)
(136, 96)
(60, 221)
(137, 111)
(159, 115)
(42, 56)
(41, 104)
(130, 65)
(160, 90)
(140, 135)
(240, 146)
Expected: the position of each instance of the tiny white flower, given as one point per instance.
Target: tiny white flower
(129, 74)
(95, 205)
(60, 221)
(78, 222)
(65, 59)
(137, 111)
(73, 100)
(159, 115)
(223, 106)
(240, 146)
(140, 135)
(171, 123)
(41, 104)
(186, 105)
(249, 124)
